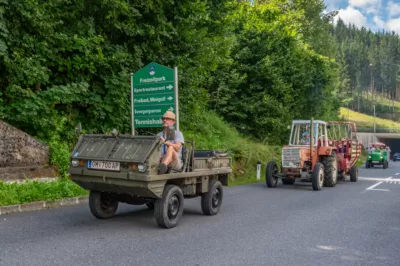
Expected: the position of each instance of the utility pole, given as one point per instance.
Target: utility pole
(374, 120)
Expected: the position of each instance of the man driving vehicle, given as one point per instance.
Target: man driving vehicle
(306, 138)
(171, 153)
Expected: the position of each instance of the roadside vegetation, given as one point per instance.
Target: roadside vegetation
(246, 70)
(213, 134)
(367, 122)
(12, 194)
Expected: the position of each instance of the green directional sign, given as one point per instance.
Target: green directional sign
(154, 91)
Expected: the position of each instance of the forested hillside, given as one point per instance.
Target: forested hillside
(254, 64)
(369, 70)
(258, 66)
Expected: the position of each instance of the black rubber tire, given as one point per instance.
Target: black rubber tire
(101, 205)
(288, 181)
(330, 170)
(211, 201)
(271, 168)
(367, 165)
(385, 165)
(318, 176)
(354, 173)
(150, 205)
(171, 194)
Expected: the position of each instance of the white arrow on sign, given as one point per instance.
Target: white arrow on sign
(170, 98)
(170, 87)
(170, 109)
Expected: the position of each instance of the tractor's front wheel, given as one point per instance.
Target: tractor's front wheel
(318, 176)
(270, 174)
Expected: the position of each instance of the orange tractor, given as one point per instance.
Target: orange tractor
(308, 157)
(343, 136)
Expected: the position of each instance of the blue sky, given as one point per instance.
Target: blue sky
(373, 14)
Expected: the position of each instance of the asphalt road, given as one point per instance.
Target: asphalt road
(350, 224)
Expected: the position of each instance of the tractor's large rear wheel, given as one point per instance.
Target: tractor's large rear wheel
(318, 176)
(330, 170)
(271, 171)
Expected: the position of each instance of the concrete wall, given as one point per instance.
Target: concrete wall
(367, 138)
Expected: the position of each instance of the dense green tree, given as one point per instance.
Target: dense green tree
(259, 64)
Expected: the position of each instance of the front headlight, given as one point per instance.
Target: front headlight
(142, 168)
(75, 163)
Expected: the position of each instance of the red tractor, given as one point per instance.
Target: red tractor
(343, 136)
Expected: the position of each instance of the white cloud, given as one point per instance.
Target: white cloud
(364, 3)
(393, 9)
(394, 25)
(379, 22)
(353, 16)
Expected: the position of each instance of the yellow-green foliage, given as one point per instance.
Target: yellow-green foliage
(363, 120)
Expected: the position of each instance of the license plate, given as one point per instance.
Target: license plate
(103, 165)
(376, 161)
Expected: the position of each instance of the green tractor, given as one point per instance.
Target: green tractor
(378, 155)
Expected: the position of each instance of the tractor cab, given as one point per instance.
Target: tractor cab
(301, 133)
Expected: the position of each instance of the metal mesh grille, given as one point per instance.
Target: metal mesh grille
(291, 157)
(123, 148)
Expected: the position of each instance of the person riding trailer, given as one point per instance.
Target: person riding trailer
(171, 152)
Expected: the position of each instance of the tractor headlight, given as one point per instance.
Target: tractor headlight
(75, 163)
(142, 168)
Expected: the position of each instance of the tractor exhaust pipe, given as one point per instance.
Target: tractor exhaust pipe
(312, 140)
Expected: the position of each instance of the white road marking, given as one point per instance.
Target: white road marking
(377, 184)
(378, 179)
(397, 173)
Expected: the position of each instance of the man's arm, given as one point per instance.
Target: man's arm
(177, 145)
(179, 140)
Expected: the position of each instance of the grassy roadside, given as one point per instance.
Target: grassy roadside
(213, 134)
(363, 120)
(216, 134)
(11, 194)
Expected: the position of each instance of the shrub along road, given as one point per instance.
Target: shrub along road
(350, 224)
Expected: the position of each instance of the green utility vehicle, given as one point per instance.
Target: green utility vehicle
(125, 169)
(378, 156)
